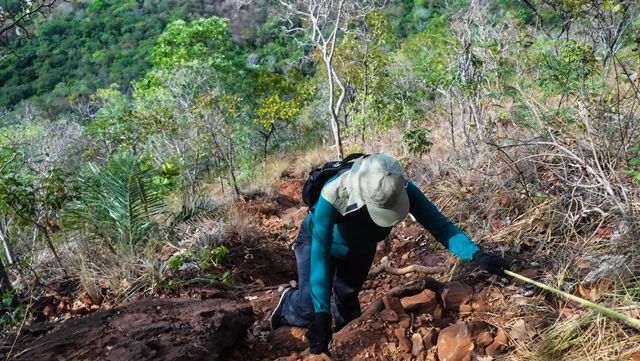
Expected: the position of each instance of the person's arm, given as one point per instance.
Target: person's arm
(321, 275)
(438, 225)
(449, 235)
(321, 280)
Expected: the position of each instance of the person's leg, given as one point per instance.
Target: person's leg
(298, 307)
(351, 272)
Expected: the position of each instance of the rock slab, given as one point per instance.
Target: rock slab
(150, 329)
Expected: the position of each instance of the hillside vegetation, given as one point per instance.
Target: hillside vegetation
(132, 133)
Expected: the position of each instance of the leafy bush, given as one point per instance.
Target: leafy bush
(417, 140)
(634, 163)
(12, 314)
(212, 256)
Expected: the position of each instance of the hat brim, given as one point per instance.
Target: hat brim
(388, 217)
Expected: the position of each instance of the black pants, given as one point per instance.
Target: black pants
(349, 276)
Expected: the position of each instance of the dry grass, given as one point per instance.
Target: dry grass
(584, 336)
(121, 277)
(301, 165)
(558, 206)
(268, 174)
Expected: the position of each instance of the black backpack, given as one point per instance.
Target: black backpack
(319, 176)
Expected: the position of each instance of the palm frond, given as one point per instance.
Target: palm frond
(118, 203)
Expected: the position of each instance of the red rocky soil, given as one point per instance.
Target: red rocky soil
(409, 317)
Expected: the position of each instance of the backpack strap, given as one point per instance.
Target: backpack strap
(353, 156)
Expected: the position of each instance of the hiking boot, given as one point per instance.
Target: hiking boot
(277, 320)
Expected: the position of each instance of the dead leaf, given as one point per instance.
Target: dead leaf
(567, 312)
(592, 291)
(635, 313)
(498, 344)
(501, 198)
(521, 330)
(84, 296)
(604, 231)
(49, 310)
(496, 224)
(61, 308)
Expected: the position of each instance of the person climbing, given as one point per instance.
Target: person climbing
(337, 241)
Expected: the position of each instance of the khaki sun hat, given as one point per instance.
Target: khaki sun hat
(376, 181)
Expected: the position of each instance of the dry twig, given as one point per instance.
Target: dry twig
(404, 270)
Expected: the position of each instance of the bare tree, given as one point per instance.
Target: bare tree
(5, 284)
(4, 232)
(204, 131)
(323, 22)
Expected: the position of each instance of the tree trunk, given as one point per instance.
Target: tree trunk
(267, 137)
(5, 284)
(335, 123)
(231, 172)
(337, 139)
(363, 104)
(194, 180)
(47, 238)
(4, 231)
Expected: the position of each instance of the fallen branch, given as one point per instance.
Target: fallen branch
(600, 308)
(408, 269)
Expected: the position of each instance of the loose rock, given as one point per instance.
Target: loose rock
(394, 304)
(423, 301)
(416, 344)
(456, 294)
(404, 343)
(289, 338)
(454, 343)
(152, 329)
(388, 315)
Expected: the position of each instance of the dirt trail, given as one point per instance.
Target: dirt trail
(409, 317)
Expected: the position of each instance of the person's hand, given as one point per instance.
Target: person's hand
(319, 333)
(492, 264)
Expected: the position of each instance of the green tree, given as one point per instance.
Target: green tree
(115, 125)
(191, 96)
(281, 98)
(92, 46)
(187, 43)
(377, 99)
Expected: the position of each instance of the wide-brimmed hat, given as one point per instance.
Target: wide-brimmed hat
(378, 182)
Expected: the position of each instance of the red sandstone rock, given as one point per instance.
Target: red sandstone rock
(151, 329)
(422, 302)
(455, 343)
(455, 295)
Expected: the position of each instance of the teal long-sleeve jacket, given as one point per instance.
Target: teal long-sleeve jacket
(336, 237)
